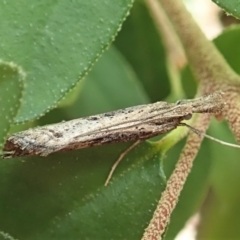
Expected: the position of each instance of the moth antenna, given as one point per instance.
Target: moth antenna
(210, 137)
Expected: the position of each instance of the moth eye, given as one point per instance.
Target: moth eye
(188, 116)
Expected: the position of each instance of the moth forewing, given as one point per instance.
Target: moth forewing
(134, 123)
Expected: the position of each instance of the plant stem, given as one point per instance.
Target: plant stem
(175, 183)
(205, 60)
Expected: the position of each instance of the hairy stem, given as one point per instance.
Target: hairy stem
(170, 196)
(206, 61)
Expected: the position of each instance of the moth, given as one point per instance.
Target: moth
(129, 124)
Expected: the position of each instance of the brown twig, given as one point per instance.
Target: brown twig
(176, 182)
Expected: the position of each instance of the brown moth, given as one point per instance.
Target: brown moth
(129, 124)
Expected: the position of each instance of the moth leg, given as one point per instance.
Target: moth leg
(122, 155)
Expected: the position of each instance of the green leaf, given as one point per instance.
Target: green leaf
(227, 43)
(63, 197)
(111, 85)
(56, 43)
(11, 87)
(66, 189)
(232, 7)
(147, 54)
(221, 211)
(128, 201)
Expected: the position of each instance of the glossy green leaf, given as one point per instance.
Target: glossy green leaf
(232, 7)
(11, 87)
(56, 43)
